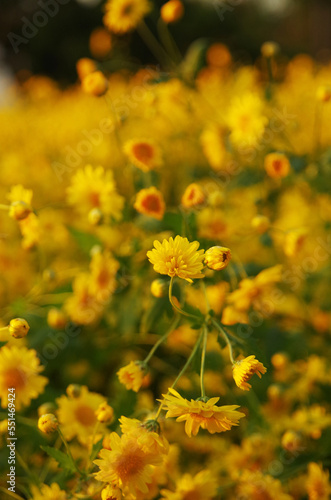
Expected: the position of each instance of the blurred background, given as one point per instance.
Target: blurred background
(53, 48)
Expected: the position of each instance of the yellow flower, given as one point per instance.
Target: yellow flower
(257, 486)
(18, 328)
(144, 432)
(218, 55)
(126, 465)
(77, 416)
(132, 375)
(294, 242)
(103, 274)
(212, 142)
(47, 423)
(105, 413)
(217, 258)
(323, 93)
(198, 414)
(100, 42)
(84, 67)
(277, 165)
(95, 84)
(150, 202)
(95, 188)
(172, 11)
(193, 196)
(177, 257)
(159, 288)
(143, 153)
(56, 318)
(19, 210)
(111, 493)
(83, 307)
(317, 484)
(124, 15)
(260, 223)
(19, 369)
(244, 369)
(20, 193)
(202, 486)
(269, 49)
(52, 492)
(246, 120)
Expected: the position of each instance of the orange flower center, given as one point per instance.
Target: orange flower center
(14, 378)
(127, 9)
(192, 495)
(151, 203)
(94, 199)
(85, 415)
(277, 165)
(129, 465)
(143, 152)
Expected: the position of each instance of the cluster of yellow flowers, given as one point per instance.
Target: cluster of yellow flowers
(165, 238)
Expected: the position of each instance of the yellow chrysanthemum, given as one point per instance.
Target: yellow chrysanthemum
(256, 485)
(20, 193)
(124, 15)
(45, 492)
(19, 369)
(132, 375)
(95, 188)
(177, 257)
(126, 465)
(148, 440)
(318, 484)
(143, 153)
(77, 415)
(244, 369)
(198, 414)
(150, 202)
(202, 486)
(246, 120)
(83, 307)
(103, 274)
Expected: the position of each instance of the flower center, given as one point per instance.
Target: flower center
(85, 415)
(94, 199)
(129, 465)
(15, 378)
(151, 203)
(143, 152)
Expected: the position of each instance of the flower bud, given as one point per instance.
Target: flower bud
(159, 288)
(47, 423)
(19, 210)
(104, 413)
(277, 165)
(172, 11)
(269, 49)
(217, 258)
(95, 84)
(73, 390)
(193, 196)
(291, 441)
(18, 328)
(56, 318)
(84, 67)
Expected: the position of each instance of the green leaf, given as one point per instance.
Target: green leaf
(96, 448)
(62, 459)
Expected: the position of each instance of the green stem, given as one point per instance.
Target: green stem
(11, 494)
(178, 309)
(203, 285)
(226, 338)
(183, 370)
(154, 46)
(162, 339)
(203, 359)
(24, 466)
(168, 41)
(81, 473)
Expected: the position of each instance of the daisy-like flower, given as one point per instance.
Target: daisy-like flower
(150, 202)
(244, 369)
(103, 274)
(95, 188)
(202, 486)
(132, 375)
(246, 120)
(83, 306)
(149, 440)
(77, 415)
(177, 257)
(126, 465)
(124, 15)
(198, 414)
(52, 492)
(143, 153)
(20, 369)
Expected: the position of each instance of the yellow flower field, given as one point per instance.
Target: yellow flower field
(165, 265)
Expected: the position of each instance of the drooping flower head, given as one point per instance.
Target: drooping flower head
(132, 375)
(198, 414)
(244, 369)
(177, 257)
